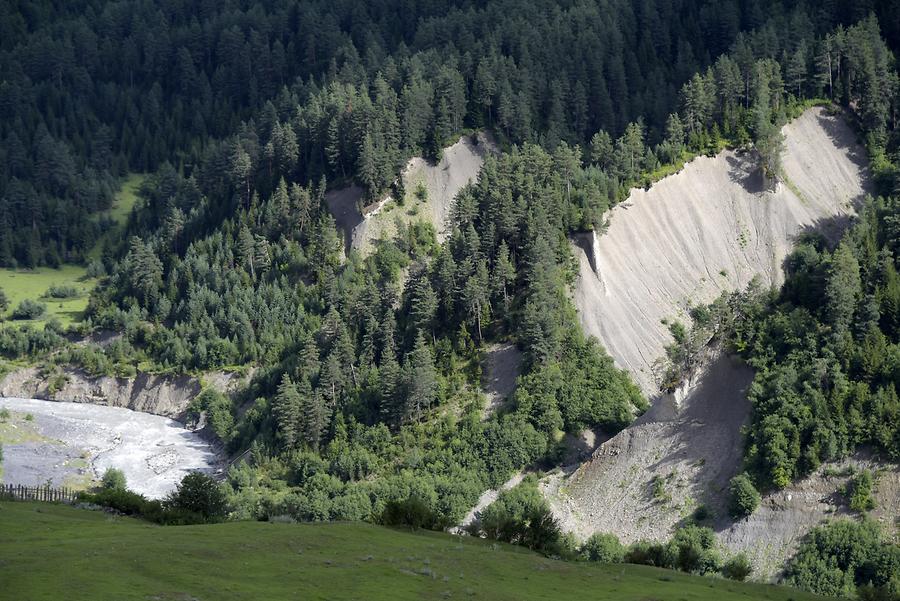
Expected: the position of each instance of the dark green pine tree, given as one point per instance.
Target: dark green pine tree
(421, 379)
(423, 304)
(286, 410)
(145, 271)
(314, 415)
(504, 274)
(390, 389)
(367, 167)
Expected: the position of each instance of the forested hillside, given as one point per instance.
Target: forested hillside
(91, 89)
(367, 371)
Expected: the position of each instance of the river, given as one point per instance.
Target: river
(72, 444)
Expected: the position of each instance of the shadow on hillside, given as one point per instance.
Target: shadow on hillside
(707, 434)
(343, 205)
(744, 170)
(843, 137)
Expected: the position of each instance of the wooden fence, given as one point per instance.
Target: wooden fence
(17, 492)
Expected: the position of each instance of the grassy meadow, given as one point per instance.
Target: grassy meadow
(51, 552)
(21, 284)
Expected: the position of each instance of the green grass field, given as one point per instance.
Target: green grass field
(121, 209)
(54, 552)
(33, 283)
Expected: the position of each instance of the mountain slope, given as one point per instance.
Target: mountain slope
(710, 228)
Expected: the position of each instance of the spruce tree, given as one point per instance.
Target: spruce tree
(421, 379)
(286, 409)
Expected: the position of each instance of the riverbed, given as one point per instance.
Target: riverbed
(72, 444)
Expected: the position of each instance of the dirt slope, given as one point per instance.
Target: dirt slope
(689, 440)
(502, 366)
(709, 228)
(168, 396)
(459, 165)
(775, 530)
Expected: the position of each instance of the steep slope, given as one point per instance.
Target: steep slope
(687, 442)
(429, 189)
(712, 227)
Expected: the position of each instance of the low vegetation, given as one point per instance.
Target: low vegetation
(50, 551)
(743, 498)
(846, 558)
(198, 499)
(38, 285)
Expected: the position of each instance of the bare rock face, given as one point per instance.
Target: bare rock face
(160, 395)
(710, 228)
(439, 183)
(642, 482)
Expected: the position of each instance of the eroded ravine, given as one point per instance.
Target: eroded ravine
(710, 228)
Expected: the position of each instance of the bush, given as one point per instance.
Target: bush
(218, 408)
(4, 300)
(61, 291)
(737, 568)
(840, 556)
(113, 479)
(859, 489)
(702, 513)
(133, 504)
(4, 414)
(604, 548)
(96, 269)
(198, 493)
(120, 499)
(29, 309)
(521, 516)
(743, 497)
(692, 549)
(412, 512)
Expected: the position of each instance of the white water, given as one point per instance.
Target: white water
(69, 441)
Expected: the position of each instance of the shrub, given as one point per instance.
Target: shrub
(120, 499)
(96, 269)
(131, 503)
(4, 414)
(604, 548)
(521, 516)
(659, 489)
(702, 513)
(61, 291)
(743, 497)
(218, 409)
(4, 300)
(694, 549)
(113, 479)
(421, 192)
(200, 494)
(737, 568)
(29, 309)
(836, 558)
(859, 489)
(412, 512)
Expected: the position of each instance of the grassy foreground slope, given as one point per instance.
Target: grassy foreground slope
(57, 552)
